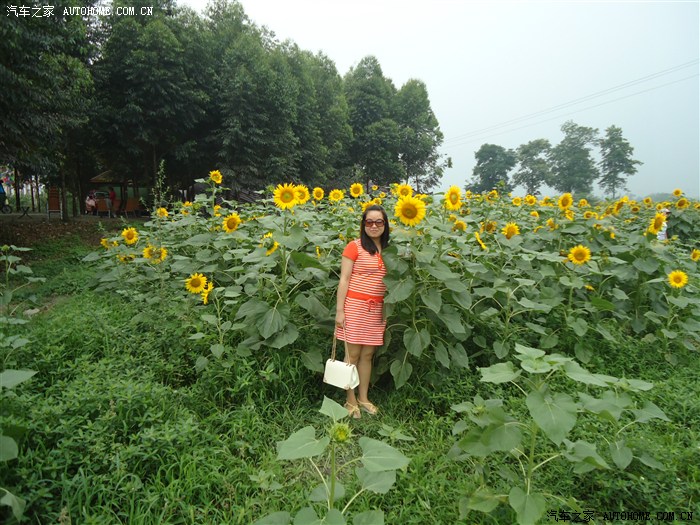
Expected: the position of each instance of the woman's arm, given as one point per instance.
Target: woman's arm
(345, 272)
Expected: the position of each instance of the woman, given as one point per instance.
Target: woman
(359, 320)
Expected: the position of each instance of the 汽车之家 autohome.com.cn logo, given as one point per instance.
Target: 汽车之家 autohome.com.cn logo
(105, 10)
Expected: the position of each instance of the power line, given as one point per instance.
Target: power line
(564, 105)
(468, 140)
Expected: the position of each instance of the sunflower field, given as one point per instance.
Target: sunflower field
(468, 276)
(540, 360)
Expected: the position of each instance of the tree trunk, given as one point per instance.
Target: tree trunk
(16, 190)
(38, 195)
(64, 208)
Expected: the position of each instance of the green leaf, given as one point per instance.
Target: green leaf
(578, 373)
(276, 518)
(217, 349)
(463, 299)
(11, 378)
(272, 322)
(621, 454)
(8, 448)
(16, 503)
(332, 409)
(651, 462)
(528, 507)
(649, 411)
(369, 517)
(499, 373)
(578, 325)
(379, 482)
(648, 265)
(307, 516)
(304, 260)
(459, 356)
(400, 291)
(502, 436)
(320, 493)
(603, 305)
(585, 454)
(432, 299)
(286, 337)
(555, 415)
(334, 517)
(529, 352)
(483, 500)
(302, 444)
(311, 304)
(313, 360)
(378, 456)
(441, 355)
(416, 341)
(400, 370)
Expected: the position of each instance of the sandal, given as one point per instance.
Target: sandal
(353, 410)
(368, 407)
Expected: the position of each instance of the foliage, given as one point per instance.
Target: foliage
(534, 169)
(573, 167)
(617, 160)
(493, 163)
(553, 416)
(377, 474)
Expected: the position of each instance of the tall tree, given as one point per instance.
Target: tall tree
(573, 167)
(376, 136)
(617, 162)
(420, 136)
(493, 164)
(534, 169)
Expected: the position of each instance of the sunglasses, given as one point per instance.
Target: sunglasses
(378, 223)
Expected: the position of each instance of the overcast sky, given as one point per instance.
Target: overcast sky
(510, 72)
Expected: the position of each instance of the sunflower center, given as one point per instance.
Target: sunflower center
(454, 198)
(409, 212)
(287, 196)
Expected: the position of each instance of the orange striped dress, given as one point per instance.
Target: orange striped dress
(364, 319)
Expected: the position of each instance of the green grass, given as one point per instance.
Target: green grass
(121, 429)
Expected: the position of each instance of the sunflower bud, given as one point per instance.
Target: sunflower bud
(340, 432)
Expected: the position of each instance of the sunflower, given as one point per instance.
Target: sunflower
(403, 190)
(453, 198)
(635, 208)
(158, 255)
(302, 193)
(565, 201)
(459, 225)
(552, 225)
(677, 192)
(517, 201)
(231, 223)
(273, 246)
(375, 187)
(579, 254)
(583, 203)
(648, 202)
(511, 229)
(125, 258)
(356, 190)
(682, 203)
(618, 207)
(336, 195)
(131, 236)
(105, 243)
(382, 195)
(452, 217)
(215, 176)
(530, 200)
(148, 251)
(205, 293)
(677, 279)
(285, 196)
(657, 223)
(569, 214)
(217, 210)
(409, 210)
(492, 195)
(695, 255)
(535, 214)
(589, 288)
(162, 213)
(546, 201)
(196, 283)
(478, 239)
(489, 226)
(590, 215)
(318, 194)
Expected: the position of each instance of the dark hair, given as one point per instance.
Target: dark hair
(365, 240)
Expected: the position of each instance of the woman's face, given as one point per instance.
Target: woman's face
(374, 224)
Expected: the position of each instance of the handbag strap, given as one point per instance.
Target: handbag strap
(335, 339)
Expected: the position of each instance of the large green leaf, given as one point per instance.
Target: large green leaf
(585, 456)
(499, 373)
(441, 354)
(8, 448)
(16, 503)
(483, 500)
(271, 323)
(276, 518)
(432, 299)
(416, 340)
(401, 371)
(284, 338)
(649, 411)
(302, 444)
(313, 360)
(12, 378)
(400, 291)
(528, 507)
(333, 410)
(369, 517)
(322, 491)
(378, 456)
(459, 355)
(621, 454)
(555, 415)
(379, 482)
(580, 374)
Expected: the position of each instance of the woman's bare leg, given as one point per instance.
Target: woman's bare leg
(364, 369)
(353, 353)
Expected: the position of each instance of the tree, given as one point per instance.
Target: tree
(617, 160)
(573, 167)
(534, 165)
(493, 163)
(420, 136)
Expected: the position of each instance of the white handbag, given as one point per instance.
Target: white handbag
(340, 374)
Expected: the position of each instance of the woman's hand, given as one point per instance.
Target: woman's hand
(339, 319)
